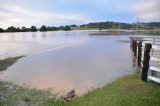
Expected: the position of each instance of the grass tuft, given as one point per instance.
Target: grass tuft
(4, 64)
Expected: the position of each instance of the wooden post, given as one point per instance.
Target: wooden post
(134, 47)
(146, 59)
(139, 53)
(135, 54)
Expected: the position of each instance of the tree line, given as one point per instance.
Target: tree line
(118, 25)
(96, 25)
(35, 29)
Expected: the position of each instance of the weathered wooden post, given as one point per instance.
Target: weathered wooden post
(146, 59)
(135, 47)
(139, 53)
(132, 45)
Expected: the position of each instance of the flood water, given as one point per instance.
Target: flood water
(65, 60)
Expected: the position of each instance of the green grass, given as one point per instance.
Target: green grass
(125, 91)
(4, 64)
(14, 95)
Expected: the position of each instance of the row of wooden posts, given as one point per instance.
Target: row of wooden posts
(143, 63)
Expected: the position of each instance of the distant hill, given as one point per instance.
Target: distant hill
(119, 25)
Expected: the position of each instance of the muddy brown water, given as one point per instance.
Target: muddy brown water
(65, 60)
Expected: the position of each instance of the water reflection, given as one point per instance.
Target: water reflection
(134, 60)
(44, 34)
(80, 62)
(15, 44)
(34, 35)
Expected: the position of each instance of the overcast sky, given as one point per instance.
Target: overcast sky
(63, 12)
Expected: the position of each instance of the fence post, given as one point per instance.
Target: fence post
(139, 53)
(146, 59)
(132, 44)
(135, 48)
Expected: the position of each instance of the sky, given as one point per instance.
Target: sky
(20, 13)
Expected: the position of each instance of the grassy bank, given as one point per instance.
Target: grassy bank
(14, 95)
(4, 64)
(126, 91)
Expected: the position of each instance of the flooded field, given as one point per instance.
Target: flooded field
(65, 60)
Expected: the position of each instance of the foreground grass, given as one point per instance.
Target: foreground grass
(14, 95)
(4, 64)
(125, 91)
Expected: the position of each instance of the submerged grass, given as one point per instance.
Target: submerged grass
(14, 95)
(4, 64)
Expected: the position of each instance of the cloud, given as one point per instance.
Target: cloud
(15, 15)
(62, 12)
(147, 10)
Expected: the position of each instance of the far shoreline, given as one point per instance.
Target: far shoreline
(106, 32)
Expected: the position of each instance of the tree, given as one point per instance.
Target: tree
(18, 29)
(43, 28)
(73, 25)
(67, 28)
(1, 30)
(52, 28)
(11, 29)
(24, 29)
(33, 29)
(61, 28)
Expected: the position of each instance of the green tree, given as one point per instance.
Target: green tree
(11, 29)
(1, 30)
(24, 29)
(67, 28)
(61, 28)
(52, 28)
(73, 25)
(43, 28)
(18, 29)
(33, 29)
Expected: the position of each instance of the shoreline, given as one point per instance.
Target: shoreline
(127, 90)
(108, 32)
